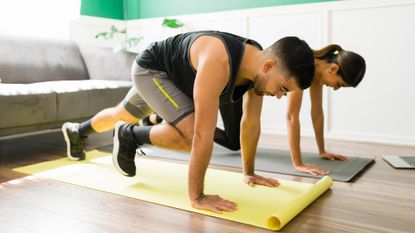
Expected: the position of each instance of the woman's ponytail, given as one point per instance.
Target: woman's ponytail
(352, 66)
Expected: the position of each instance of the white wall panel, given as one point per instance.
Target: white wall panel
(83, 31)
(383, 106)
(149, 30)
(235, 25)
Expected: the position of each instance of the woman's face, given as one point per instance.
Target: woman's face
(329, 76)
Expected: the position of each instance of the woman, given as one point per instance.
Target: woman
(335, 68)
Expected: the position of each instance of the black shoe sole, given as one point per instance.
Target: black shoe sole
(68, 144)
(116, 148)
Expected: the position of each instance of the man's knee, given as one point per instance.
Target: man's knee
(186, 128)
(187, 137)
(121, 113)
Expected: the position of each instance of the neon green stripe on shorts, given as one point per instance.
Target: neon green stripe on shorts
(165, 93)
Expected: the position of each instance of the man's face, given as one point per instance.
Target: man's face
(273, 83)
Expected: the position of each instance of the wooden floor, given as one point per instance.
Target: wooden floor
(382, 199)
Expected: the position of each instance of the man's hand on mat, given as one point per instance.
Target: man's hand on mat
(331, 156)
(313, 170)
(214, 203)
(256, 179)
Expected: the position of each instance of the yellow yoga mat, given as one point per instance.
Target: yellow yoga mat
(165, 183)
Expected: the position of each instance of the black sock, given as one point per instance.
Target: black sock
(142, 134)
(146, 120)
(85, 128)
(159, 119)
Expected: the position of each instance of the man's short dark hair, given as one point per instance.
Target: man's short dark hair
(296, 58)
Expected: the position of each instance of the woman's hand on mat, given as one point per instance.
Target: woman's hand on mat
(311, 169)
(256, 179)
(331, 156)
(214, 203)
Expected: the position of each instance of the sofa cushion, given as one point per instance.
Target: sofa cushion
(24, 60)
(103, 63)
(45, 102)
(79, 99)
(25, 104)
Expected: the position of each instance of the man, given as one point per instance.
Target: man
(185, 79)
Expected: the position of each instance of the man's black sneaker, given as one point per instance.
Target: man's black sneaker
(124, 150)
(74, 141)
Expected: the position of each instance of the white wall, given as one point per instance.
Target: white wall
(40, 18)
(381, 109)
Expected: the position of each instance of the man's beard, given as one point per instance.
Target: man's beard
(259, 85)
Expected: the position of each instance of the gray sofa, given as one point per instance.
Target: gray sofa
(45, 83)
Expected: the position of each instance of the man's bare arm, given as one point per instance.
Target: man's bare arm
(209, 57)
(250, 131)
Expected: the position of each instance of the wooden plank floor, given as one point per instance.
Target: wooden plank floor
(382, 199)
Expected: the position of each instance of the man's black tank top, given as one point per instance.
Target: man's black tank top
(173, 57)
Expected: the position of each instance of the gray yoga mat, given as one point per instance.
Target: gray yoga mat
(271, 160)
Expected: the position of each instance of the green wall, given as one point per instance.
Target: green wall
(113, 9)
(139, 9)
